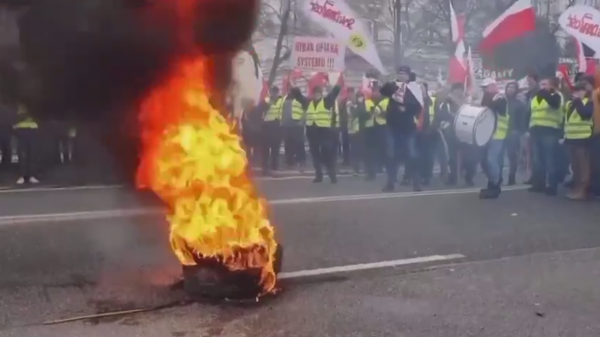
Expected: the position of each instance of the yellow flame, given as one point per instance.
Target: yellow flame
(193, 160)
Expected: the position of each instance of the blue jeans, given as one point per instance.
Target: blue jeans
(400, 146)
(544, 162)
(495, 160)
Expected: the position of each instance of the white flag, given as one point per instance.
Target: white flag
(341, 21)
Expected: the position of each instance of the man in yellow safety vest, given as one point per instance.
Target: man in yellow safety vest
(578, 131)
(375, 132)
(292, 123)
(271, 132)
(26, 130)
(321, 132)
(355, 108)
(545, 131)
(497, 103)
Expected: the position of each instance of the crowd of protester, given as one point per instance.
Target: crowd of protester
(359, 133)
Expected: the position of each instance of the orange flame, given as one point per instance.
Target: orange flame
(193, 160)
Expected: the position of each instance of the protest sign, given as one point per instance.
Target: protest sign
(583, 23)
(317, 54)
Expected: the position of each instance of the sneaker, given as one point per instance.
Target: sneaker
(21, 181)
(32, 180)
(318, 179)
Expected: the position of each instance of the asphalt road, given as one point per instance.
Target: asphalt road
(526, 265)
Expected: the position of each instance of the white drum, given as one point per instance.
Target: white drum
(474, 125)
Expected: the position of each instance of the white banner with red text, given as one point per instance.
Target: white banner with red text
(341, 21)
(317, 54)
(583, 23)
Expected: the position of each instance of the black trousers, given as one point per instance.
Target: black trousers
(26, 152)
(375, 149)
(270, 145)
(5, 146)
(323, 149)
(252, 144)
(293, 140)
(512, 148)
(345, 145)
(357, 150)
(426, 150)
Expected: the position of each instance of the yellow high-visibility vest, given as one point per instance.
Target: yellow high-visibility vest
(27, 123)
(318, 115)
(432, 110)
(377, 116)
(502, 126)
(274, 111)
(297, 110)
(544, 115)
(577, 128)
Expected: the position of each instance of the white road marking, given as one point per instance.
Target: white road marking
(8, 190)
(367, 266)
(124, 213)
(377, 196)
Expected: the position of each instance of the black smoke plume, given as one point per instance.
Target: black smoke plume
(92, 61)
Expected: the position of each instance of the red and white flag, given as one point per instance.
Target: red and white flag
(457, 25)
(457, 68)
(516, 21)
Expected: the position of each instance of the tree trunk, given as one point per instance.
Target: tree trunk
(283, 30)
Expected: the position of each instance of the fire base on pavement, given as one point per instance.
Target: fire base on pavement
(211, 280)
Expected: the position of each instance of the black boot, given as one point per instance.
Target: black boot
(492, 192)
(511, 180)
(318, 177)
(388, 188)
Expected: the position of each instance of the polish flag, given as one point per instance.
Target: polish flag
(516, 21)
(457, 25)
(457, 69)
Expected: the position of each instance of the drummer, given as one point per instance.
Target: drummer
(456, 152)
(496, 102)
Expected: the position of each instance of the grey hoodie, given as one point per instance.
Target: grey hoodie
(517, 110)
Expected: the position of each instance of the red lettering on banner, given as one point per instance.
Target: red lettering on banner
(303, 47)
(329, 13)
(326, 47)
(315, 62)
(583, 26)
